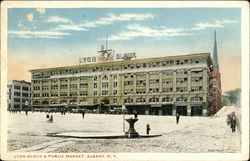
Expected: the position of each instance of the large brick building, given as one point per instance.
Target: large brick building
(159, 86)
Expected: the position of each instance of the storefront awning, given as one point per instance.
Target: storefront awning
(196, 69)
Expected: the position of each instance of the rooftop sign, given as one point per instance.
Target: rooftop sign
(107, 56)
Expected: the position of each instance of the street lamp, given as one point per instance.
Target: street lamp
(27, 104)
(123, 113)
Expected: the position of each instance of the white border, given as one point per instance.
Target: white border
(243, 155)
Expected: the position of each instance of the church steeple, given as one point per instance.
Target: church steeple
(215, 54)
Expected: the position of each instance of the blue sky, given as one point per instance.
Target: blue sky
(165, 28)
(50, 36)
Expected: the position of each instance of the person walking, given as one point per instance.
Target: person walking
(147, 128)
(51, 118)
(83, 113)
(177, 118)
(135, 115)
(233, 123)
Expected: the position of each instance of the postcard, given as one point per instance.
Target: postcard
(124, 80)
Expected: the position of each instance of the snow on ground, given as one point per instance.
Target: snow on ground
(192, 134)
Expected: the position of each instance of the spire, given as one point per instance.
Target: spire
(215, 54)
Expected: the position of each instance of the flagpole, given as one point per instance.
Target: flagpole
(123, 122)
(123, 118)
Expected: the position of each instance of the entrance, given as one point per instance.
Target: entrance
(167, 109)
(154, 110)
(196, 111)
(181, 110)
(140, 109)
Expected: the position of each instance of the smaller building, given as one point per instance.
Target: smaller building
(18, 95)
(226, 100)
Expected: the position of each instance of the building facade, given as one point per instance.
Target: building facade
(159, 86)
(18, 94)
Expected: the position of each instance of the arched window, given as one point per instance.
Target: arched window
(63, 102)
(115, 77)
(36, 103)
(83, 101)
(45, 102)
(181, 99)
(53, 102)
(196, 99)
(140, 100)
(154, 99)
(105, 77)
(128, 100)
(73, 101)
(167, 99)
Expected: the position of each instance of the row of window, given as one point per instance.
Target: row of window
(18, 100)
(19, 94)
(55, 80)
(19, 88)
(165, 99)
(130, 100)
(72, 94)
(126, 83)
(128, 66)
(164, 90)
(164, 81)
(126, 91)
(106, 78)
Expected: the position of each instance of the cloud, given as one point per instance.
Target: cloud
(38, 34)
(20, 24)
(136, 30)
(112, 18)
(217, 23)
(57, 19)
(30, 17)
(142, 31)
(65, 24)
(41, 10)
(73, 27)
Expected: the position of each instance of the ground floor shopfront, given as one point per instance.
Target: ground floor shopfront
(169, 109)
(198, 109)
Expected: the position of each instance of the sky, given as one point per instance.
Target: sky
(52, 37)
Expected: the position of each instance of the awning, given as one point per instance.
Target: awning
(156, 105)
(181, 103)
(197, 103)
(196, 69)
(72, 105)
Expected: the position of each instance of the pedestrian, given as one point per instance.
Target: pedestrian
(135, 114)
(83, 113)
(47, 116)
(26, 112)
(147, 128)
(233, 123)
(177, 118)
(228, 120)
(51, 118)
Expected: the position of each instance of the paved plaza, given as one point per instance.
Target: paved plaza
(192, 134)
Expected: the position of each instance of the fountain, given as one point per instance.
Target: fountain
(131, 133)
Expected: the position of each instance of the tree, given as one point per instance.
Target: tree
(234, 96)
